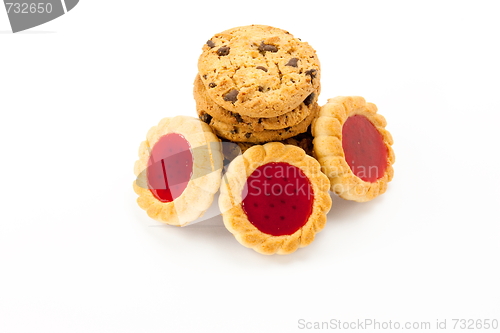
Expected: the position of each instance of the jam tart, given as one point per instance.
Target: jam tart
(274, 198)
(178, 171)
(353, 148)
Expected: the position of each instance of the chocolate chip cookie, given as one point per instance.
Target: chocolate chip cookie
(208, 109)
(259, 71)
(238, 133)
(302, 140)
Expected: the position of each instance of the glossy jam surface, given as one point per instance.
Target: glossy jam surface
(170, 167)
(364, 148)
(279, 198)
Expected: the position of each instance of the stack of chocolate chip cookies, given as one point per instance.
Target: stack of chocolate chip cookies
(257, 84)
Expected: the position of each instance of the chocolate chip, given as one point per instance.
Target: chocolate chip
(231, 96)
(288, 129)
(238, 118)
(262, 68)
(234, 130)
(206, 118)
(309, 99)
(223, 51)
(261, 88)
(212, 85)
(248, 135)
(210, 44)
(205, 76)
(311, 73)
(292, 62)
(267, 48)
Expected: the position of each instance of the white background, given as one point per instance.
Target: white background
(77, 96)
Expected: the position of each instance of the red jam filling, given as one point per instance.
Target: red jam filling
(279, 198)
(170, 167)
(364, 148)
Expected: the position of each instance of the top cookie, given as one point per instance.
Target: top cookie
(258, 70)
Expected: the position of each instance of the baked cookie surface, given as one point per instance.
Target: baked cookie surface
(274, 198)
(354, 148)
(208, 109)
(238, 133)
(178, 171)
(258, 71)
(302, 140)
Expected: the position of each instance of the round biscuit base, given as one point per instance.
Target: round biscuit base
(233, 184)
(327, 133)
(205, 180)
